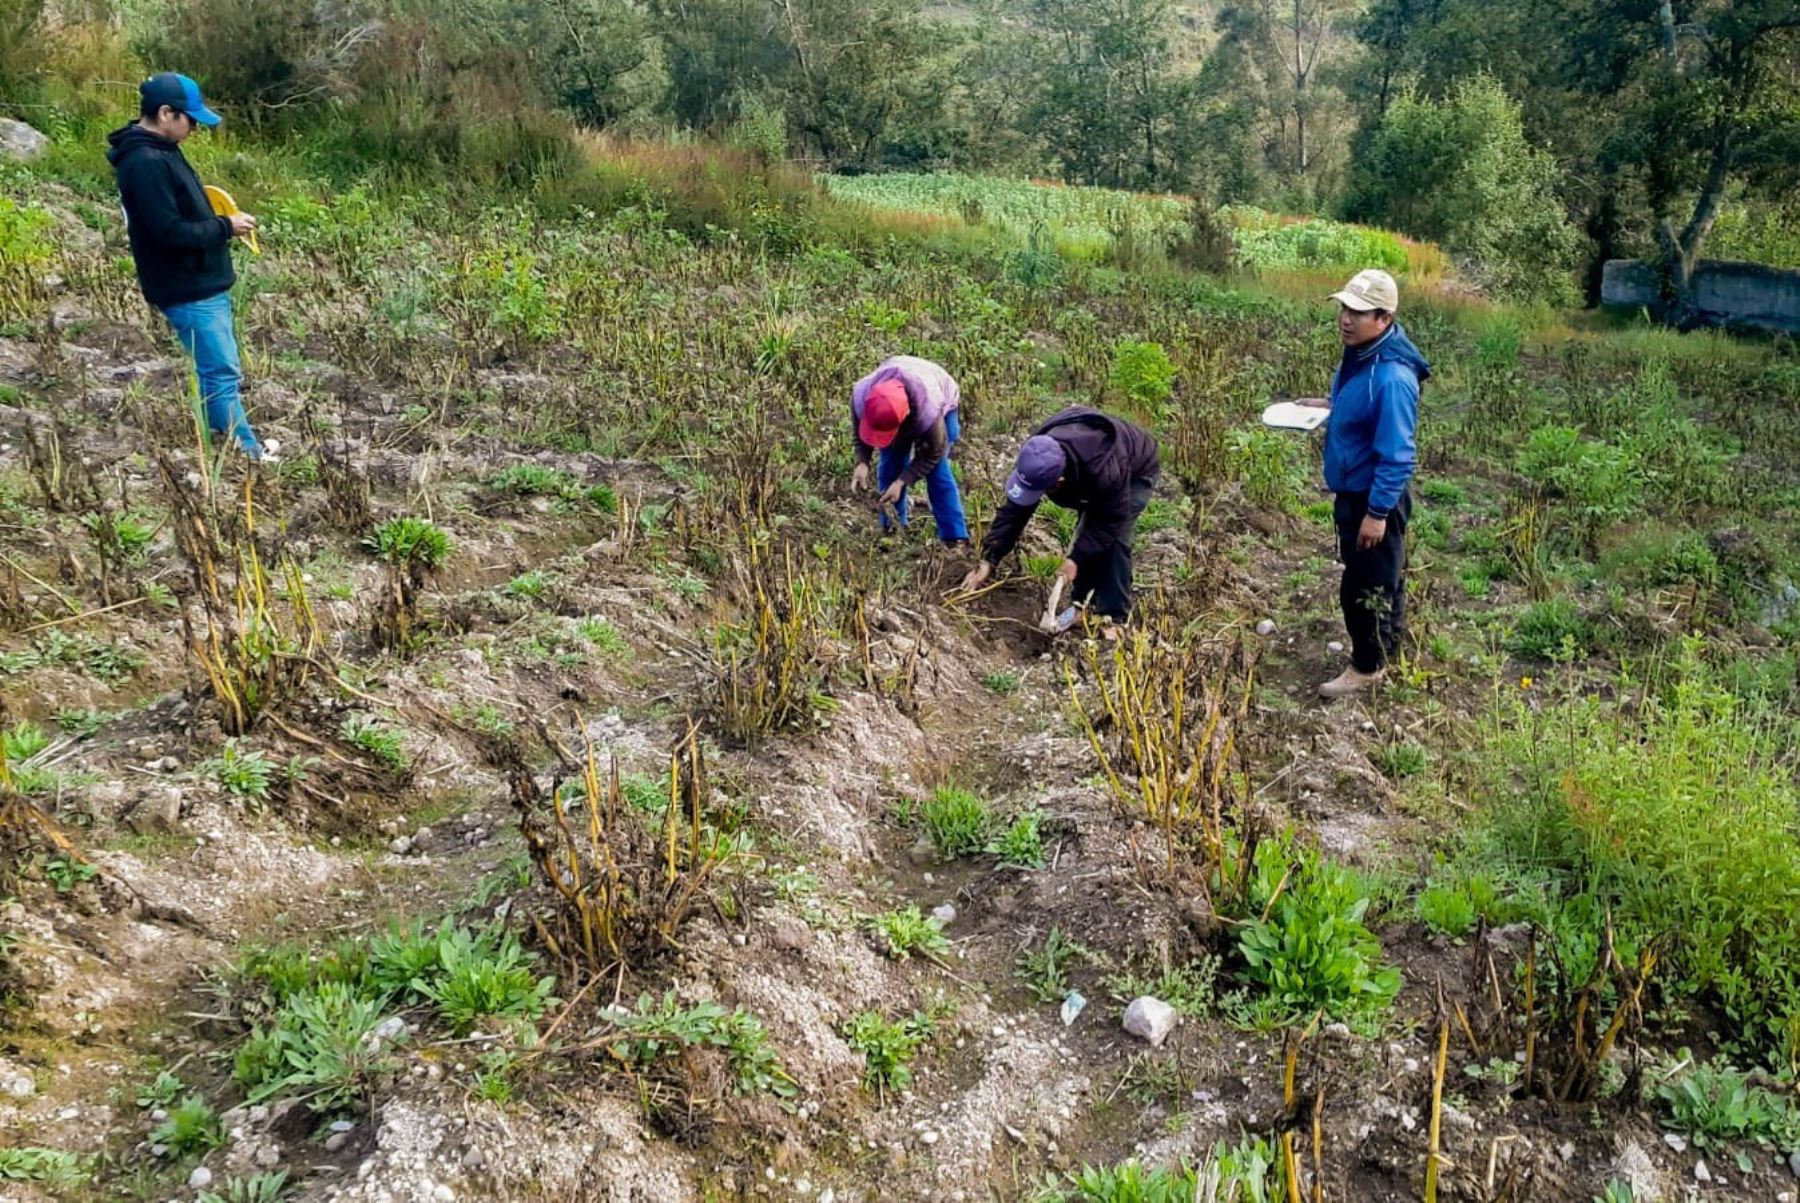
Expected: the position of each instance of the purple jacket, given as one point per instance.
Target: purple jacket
(931, 393)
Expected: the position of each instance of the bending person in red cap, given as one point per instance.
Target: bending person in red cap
(906, 409)
(1103, 468)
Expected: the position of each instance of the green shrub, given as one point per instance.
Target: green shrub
(1270, 466)
(887, 1047)
(1677, 816)
(1551, 630)
(1190, 988)
(1658, 556)
(1453, 903)
(403, 958)
(1143, 374)
(1313, 951)
(258, 1188)
(663, 1027)
(532, 480)
(1399, 760)
(1044, 970)
(321, 1046)
(378, 739)
(957, 821)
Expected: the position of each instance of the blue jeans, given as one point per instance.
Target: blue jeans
(206, 332)
(940, 486)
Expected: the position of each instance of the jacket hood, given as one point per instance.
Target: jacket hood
(1392, 347)
(128, 138)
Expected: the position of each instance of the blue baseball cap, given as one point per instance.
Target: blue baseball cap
(1039, 467)
(179, 93)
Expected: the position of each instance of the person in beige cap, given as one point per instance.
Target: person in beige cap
(1369, 455)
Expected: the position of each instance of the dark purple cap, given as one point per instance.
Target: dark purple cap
(1040, 466)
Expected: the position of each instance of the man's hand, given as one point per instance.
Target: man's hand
(241, 224)
(893, 493)
(1313, 402)
(977, 577)
(1066, 570)
(859, 477)
(1372, 531)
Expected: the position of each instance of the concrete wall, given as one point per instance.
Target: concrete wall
(1728, 293)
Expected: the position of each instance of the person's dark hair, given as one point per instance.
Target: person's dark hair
(148, 109)
(1382, 312)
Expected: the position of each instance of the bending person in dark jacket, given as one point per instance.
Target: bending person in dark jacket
(1099, 466)
(181, 248)
(1369, 455)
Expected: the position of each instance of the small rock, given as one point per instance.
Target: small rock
(268, 1156)
(1339, 1031)
(18, 1085)
(336, 1141)
(401, 846)
(1265, 627)
(1334, 647)
(1566, 1150)
(20, 141)
(828, 1196)
(1150, 1019)
(945, 914)
(1676, 1141)
(200, 1179)
(739, 939)
(1701, 1173)
(790, 933)
(1635, 1169)
(474, 1159)
(922, 853)
(1794, 1163)
(928, 1137)
(342, 1125)
(442, 1194)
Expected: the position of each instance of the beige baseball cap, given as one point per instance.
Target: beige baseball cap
(1369, 289)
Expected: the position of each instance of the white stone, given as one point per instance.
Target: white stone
(945, 914)
(18, 1085)
(336, 1141)
(1265, 627)
(401, 845)
(1676, 1141)
(928, 1137)
(1701, 1173)
(200, 1179)
(1334, 647)
(442, 1194)
(20, 141)
(1150, 1019)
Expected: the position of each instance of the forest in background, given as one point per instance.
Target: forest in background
(1533, 139)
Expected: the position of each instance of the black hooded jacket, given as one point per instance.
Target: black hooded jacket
(1102, 455)
(181, 248)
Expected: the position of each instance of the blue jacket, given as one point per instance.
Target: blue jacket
(1369, 444)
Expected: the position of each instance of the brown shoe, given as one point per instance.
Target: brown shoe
(1350, 682)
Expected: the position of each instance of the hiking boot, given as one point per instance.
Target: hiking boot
(1349, 682)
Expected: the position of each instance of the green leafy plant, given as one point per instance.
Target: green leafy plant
(322, 1047)
(1717, 1105)
(905, 932)
(888, 1047)
(192, 1127)
(1268, 464)
(662, 1027)
(243, 772)
(1020, 845)
(603, 635)
(1003, 682)
(483, 975)
(49, 1167)
(1190, 988)
(378, 739)
(23, 741)
(1398, 760)
(1313, 951)
(1551, 630)
(65, 873)
(411, 544)
(161, 1091)
(1045, 969)
(528, 586)
(258, 1188)
(956, 820)
(532, 480)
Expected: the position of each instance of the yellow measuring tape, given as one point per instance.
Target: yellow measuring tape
(224, 206)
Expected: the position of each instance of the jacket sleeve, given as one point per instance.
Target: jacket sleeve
(151, 200)
(1004, 531)
(928, 450)
(1396, 449)
(1105, 523)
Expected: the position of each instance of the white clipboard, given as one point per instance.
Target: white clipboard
(1291, 415)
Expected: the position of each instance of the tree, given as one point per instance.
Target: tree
(602, 58)
(1461, 172)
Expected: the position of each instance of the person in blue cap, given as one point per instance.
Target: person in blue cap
(181, 248)
(1104, 469)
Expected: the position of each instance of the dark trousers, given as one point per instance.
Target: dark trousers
(1104, 582)
(1373, 593)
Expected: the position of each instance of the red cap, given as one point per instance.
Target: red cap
(884, 408)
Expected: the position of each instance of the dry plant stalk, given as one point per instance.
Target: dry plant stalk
(1170, 734)
(625, 887)
(1435, 1157)
(767, 670)
(255, 648)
